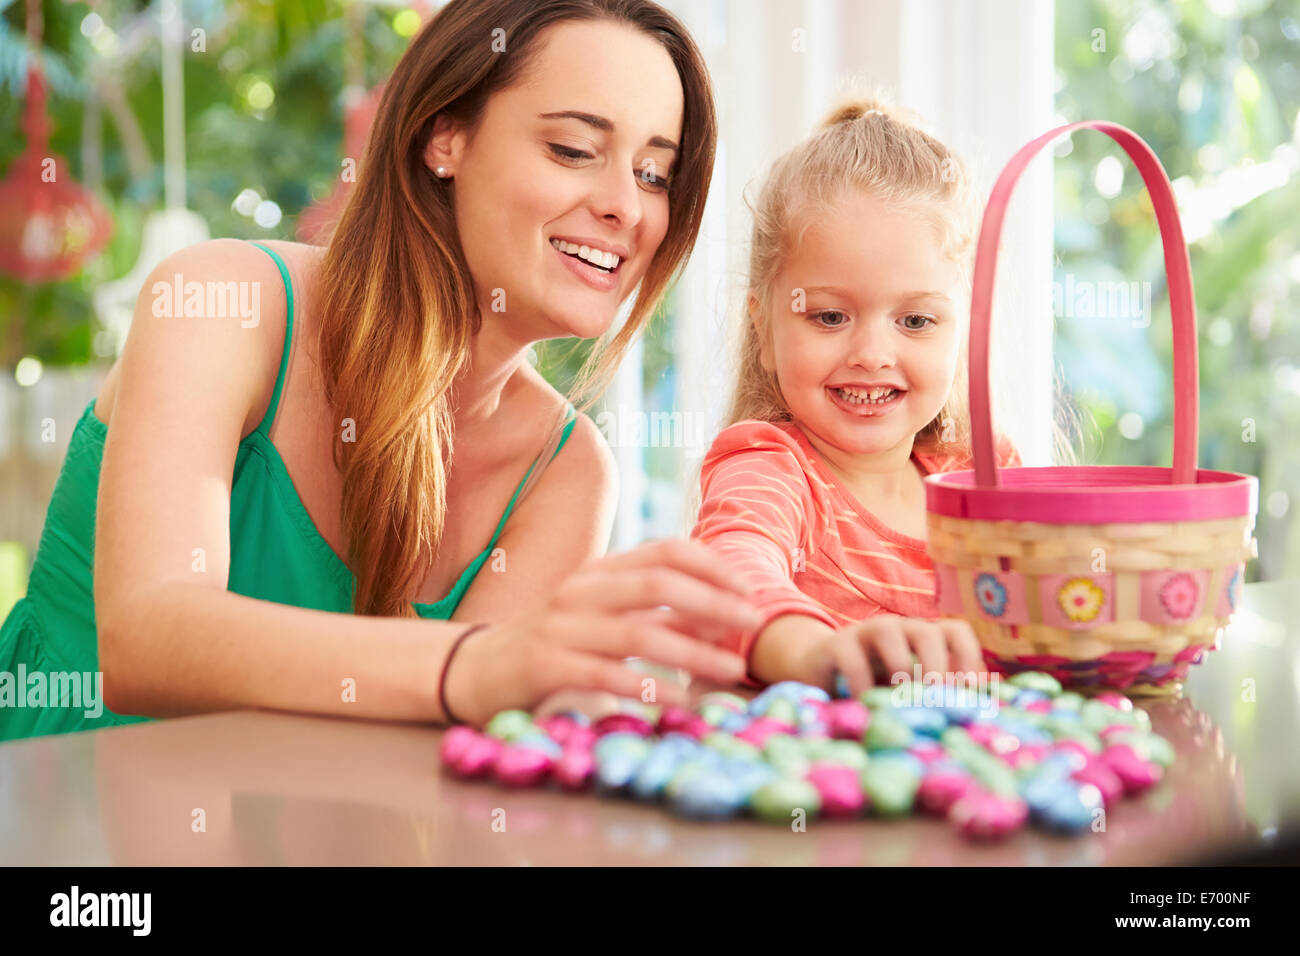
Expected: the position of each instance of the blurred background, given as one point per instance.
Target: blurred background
(147, 127)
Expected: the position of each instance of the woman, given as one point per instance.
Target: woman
(255, 473)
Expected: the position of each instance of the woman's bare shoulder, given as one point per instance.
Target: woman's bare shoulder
(217, 306)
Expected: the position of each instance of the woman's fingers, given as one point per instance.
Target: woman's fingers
(697, 628)
(689, 557)
(645, 588)
(567, 669)
(621, 637)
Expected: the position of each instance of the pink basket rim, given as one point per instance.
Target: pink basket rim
(1093, 494)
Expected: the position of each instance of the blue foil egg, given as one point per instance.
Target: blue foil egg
(1072, 810)
(734, 723)
(657, 769)
(615, 773)
(540, 742)
(929, 721)
(707, 795)
(620, 742)
(899, 759)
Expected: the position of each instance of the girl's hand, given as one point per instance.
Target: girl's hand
(882, 646)
(607, 610)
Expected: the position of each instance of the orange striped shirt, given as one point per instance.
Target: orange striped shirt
(777, 514)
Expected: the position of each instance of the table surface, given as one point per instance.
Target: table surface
(279, 789)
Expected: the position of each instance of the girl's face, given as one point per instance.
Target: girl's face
(580, 150)
(880, 307)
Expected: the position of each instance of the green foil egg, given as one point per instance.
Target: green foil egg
(777, 800)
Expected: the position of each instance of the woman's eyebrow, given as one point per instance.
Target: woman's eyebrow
(605, 126)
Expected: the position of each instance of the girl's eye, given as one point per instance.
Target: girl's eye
(564, 152)
(821, 318)
(923, 318)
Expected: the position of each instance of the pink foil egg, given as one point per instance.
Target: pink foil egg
(1103, 778)
(557, 726)
(986, 816)
(574, 768)
(1135, 773)
(941, 789)
(1025, 755)
(927, 751)
(582, 737)
(1038, 706)
(522, 766)
(1118, 701)
(1081, 753)
(846, 719)
(455, 741)
(761, 728)
(478, 756)
(840, 788)
(679, 720)
(623, 723)
(673, 720)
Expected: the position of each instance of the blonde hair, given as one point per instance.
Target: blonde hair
(869, 146)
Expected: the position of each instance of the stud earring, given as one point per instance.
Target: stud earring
(441, 172)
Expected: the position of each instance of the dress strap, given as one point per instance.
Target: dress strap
(265, 425)
(572, 416)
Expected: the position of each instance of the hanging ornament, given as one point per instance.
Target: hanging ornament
(50, 225)
(316, 222)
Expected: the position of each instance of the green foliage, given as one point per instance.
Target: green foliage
(1215, 97)
(289, 152)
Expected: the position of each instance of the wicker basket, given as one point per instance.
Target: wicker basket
(1105, 577)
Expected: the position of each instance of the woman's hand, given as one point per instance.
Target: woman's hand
(886, 644)
(607, 610)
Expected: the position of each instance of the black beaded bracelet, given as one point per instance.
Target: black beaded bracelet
(446, 666)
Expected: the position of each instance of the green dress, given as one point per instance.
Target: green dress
(276, 554)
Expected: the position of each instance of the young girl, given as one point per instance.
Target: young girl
(851, 388)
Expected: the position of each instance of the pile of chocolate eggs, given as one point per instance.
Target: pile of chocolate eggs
(990, 760)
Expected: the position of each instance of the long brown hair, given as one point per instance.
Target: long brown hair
(397, 305)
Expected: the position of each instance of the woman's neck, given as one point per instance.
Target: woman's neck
(485, 382)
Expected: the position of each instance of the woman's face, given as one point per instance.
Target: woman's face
(578, 152)
(880, 306)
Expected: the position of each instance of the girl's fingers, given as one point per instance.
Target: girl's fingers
(930, 645)
(639, 589)
(619, 637)
(963, 646)
(884, 635)
(851, 661)
(686, 556)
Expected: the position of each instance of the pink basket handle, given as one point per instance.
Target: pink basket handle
(1182, 306)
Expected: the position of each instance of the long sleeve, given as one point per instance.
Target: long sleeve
(761, 516)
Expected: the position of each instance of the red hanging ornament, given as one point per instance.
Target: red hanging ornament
(317, 221)
(50, 225)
